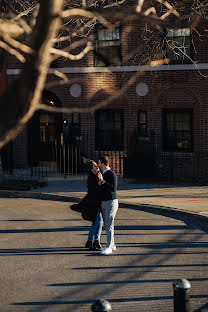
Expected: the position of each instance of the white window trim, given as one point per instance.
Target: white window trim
(110, 69)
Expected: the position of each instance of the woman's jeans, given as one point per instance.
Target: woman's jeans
(96, 227)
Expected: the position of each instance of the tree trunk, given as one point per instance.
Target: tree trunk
(1, 169)
(21, 98)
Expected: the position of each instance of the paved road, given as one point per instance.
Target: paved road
(44, 267)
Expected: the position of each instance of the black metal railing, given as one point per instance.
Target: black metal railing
(138, 160)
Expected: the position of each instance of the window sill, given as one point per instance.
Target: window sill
(109, 151)
(177, 153)
(143, 138)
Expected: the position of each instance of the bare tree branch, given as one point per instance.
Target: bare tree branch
(73, 56)
(107, 101)
(170, 7)
(36, 36)
(33, 76)
(117, 14)
(12, 51)
(11, 27)
(17, 44)
(24, 13)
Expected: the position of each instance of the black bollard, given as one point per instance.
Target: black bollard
(101, 306)
(181, 295)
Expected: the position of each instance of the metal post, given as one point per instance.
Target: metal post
(181, 295)
(101, 306)
(64, 159)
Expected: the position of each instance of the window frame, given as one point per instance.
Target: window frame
(96, 54)
(76, 119)
(174, 60)
(140, 130)
(98, 132)
(166, 145)
(47, 127)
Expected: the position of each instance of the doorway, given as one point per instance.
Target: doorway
(44, 131)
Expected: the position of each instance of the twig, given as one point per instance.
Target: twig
(16, 44)
(165, 15)
(72, 56)
(12, 51)
(139, 6)
(24, 13)
(170, 7)
(60, 82)
(60, 75)
(25, 26)
(89, 13)
(149, 11)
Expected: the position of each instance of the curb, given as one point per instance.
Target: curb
(175, 212)
(170, 211)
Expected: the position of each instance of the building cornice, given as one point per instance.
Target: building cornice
(118, 69)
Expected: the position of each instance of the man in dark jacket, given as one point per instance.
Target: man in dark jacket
(109, 201)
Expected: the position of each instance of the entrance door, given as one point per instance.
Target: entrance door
(44, 131)
(47, 137)
(146, 161)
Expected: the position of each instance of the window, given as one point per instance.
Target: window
(178, 45)
(75, 126)
(75, 118)
(47, 128)
(142, 123)
(107, 47)
(177, 130)
(109, 129)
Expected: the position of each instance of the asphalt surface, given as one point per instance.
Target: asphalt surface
(44, 266)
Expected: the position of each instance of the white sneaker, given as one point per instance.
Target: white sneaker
(106, 251)
(113, 248)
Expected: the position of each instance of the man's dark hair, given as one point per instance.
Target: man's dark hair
(104, 160)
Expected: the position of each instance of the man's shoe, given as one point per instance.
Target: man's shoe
(89, 245)
(97, 245)
(113, 248)
(106, 251)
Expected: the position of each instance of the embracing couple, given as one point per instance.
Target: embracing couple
(102, 185)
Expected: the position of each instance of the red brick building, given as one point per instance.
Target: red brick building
(157, 126)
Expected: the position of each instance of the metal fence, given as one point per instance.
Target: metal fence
(142, 163)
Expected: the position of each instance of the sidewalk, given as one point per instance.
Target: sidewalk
(183, 199)
(178, 199)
